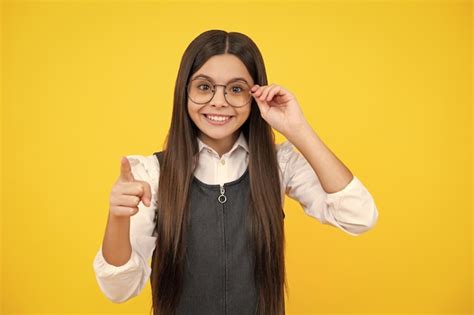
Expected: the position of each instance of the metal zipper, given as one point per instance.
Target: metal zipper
(222, 199)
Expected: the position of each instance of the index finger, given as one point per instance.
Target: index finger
(126, 170)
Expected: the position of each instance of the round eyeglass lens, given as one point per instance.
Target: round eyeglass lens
(237, 93)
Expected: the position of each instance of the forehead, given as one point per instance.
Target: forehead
(223, 68)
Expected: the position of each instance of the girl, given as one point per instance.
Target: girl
(208, 210)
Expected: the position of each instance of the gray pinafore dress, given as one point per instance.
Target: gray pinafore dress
(218, 277)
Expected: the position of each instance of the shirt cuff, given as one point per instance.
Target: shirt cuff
(354, 181)
(104, 270)
(353, 207)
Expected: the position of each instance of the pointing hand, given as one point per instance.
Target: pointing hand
(127, 192)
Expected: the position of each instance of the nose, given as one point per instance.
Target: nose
(219, 99)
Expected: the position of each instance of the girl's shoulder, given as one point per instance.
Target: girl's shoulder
(284, 152)
(147, 167)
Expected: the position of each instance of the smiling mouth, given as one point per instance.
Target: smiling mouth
(218, 119)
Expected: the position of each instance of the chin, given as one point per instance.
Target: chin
(217, 135)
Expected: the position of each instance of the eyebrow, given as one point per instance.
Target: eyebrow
(208, 77)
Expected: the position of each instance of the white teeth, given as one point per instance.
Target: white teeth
(218, 118)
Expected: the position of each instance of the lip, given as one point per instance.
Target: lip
(218, 123)
(217, 115)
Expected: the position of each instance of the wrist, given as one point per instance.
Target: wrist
(297, 131)
(118, 218)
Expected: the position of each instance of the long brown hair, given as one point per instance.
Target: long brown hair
(176, 171)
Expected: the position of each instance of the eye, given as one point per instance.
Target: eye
(238, 88)
(203, 85)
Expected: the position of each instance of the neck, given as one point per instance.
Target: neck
(221, 146)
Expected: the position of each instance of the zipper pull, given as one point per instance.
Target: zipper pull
(222, 197)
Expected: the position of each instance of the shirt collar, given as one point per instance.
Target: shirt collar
(239, 142)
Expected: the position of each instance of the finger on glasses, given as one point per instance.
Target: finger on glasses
(273, 91)
(265, 92)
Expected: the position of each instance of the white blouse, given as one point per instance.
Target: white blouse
(351, 209)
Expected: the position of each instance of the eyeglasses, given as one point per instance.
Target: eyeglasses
(236, 93)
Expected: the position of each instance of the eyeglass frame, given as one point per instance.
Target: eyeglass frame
(214, 89)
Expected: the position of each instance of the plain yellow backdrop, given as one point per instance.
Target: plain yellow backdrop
(386, 85)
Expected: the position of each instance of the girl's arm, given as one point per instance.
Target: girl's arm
(351, 209)
(332, 173)
(116, 247)
(129, 243)
(281, 110)
(323, 185)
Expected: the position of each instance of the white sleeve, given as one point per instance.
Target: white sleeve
(351, 209)
(120, 283)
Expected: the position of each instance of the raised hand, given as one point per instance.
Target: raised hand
(278, 107)
(127, 192)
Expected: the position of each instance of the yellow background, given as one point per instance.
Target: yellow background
(387, 85)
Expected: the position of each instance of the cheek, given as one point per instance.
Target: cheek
(192, 112)
(244, 114)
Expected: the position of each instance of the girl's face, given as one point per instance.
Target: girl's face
(220, 135)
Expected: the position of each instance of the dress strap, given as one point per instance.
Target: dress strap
(159, 156)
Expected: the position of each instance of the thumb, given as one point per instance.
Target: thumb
(126, 170)
(146, 197)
